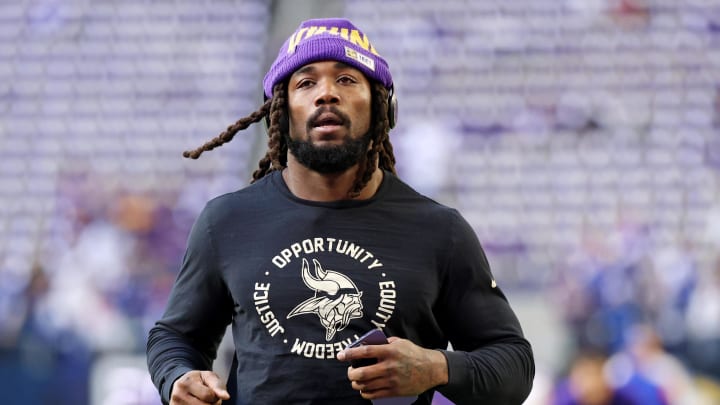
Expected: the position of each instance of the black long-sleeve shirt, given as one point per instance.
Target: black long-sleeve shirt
(299, 280)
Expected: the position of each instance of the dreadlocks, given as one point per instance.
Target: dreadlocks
(230, 132)
(380, 153)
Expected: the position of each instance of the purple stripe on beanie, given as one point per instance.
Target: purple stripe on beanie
(327, 39)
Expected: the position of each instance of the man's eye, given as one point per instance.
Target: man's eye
(304, 83)
(346, 79)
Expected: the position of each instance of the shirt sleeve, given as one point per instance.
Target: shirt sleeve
(491, 361)
(198, 311)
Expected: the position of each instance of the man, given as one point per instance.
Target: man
(327, 244)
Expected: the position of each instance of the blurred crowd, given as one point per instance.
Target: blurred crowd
(108, 267)
(644, 322)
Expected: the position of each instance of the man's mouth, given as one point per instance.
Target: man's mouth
(328, 120)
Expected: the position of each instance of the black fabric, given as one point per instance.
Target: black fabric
(232, 381)
(299, 280)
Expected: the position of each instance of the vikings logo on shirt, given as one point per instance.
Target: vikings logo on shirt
(336, 300)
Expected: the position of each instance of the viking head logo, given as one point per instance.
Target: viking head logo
(336, 300)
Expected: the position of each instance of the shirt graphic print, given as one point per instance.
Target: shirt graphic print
(332, 298)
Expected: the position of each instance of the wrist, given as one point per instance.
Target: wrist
(169, 382)
(439, 369)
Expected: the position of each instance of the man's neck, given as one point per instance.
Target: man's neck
(313, 186)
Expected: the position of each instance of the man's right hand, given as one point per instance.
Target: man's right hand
(198, 388)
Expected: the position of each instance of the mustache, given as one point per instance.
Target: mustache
(324, 109)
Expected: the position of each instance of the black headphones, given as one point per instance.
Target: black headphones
(392, 107)
(392, 110)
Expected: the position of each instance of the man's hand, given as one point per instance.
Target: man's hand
(403, 369)
(197, 388)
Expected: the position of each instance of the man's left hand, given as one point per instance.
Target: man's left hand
(403, 369)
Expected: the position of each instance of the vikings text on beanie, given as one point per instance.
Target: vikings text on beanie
(327, 39)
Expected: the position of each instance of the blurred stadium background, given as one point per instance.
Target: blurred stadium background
(581, 139)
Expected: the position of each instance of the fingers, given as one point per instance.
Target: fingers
(370, 351)
(403, 368)
(361, 352)
(198, 388)
(373, 388)
(375, 394)
(372, 381)
(213, 381)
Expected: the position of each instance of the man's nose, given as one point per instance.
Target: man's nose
(327, 94)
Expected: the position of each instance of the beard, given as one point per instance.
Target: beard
(329, 159)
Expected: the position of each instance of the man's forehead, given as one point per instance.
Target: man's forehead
(315, 66)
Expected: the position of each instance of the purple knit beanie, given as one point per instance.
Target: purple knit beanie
(327, 39)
